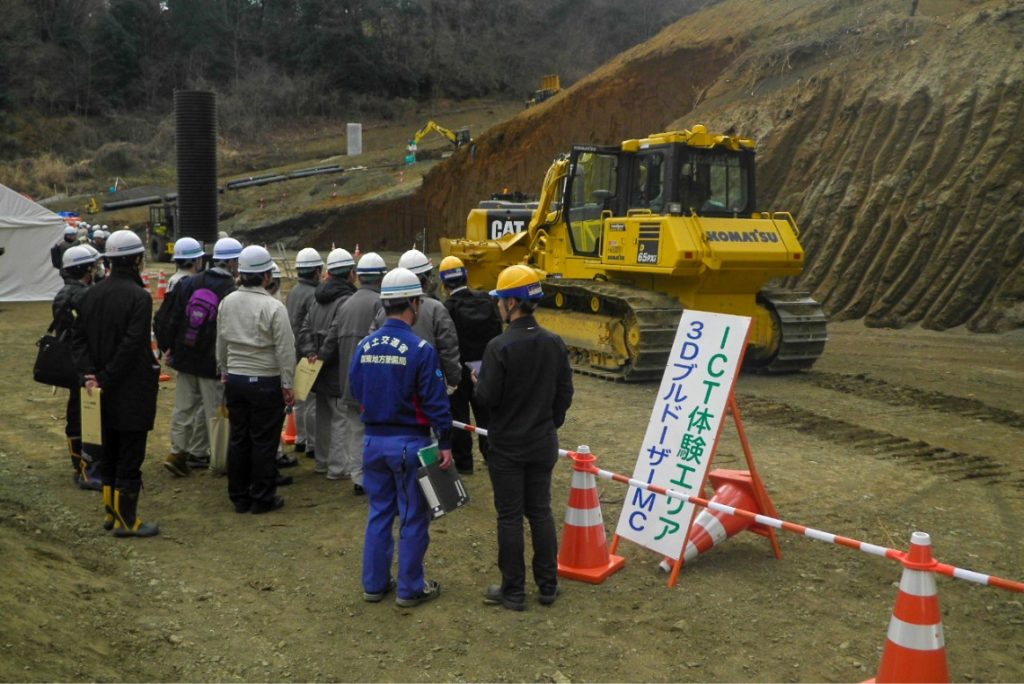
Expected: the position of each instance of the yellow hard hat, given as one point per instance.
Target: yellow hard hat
(452, 269)
(519, 281)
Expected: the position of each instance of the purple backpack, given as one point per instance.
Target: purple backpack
(201, 317)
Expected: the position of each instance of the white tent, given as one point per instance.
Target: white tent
(27, 231)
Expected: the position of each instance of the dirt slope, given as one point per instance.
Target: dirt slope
(892, 138)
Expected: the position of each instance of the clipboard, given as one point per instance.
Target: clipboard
(443, 489)
(305, 376)
(474, 366)
(92, 427)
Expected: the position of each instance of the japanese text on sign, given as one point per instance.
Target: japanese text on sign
(683, 429)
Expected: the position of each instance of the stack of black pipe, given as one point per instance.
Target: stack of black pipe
(195, 117)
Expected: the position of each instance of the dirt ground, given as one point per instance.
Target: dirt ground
(893, 431)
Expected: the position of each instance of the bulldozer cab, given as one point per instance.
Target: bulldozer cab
(669, 179)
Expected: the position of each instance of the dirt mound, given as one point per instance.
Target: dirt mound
(892, 138)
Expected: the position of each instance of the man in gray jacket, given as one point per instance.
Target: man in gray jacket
(317, 340)
(309, 266)
(433, 324)
(353, 323)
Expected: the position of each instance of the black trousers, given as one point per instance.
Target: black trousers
(122, 456)
(73, 414)
(256, 415)
(462, 441)
(522, 487)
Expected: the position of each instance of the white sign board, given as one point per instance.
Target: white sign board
(354, 137)
(684, 427)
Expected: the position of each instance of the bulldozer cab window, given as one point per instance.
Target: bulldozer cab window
(715, 183)
(648, 190)
(592, 184)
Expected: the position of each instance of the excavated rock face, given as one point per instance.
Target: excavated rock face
(895, 140)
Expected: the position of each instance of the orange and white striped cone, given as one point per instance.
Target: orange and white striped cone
(164, 377)
(289, 434)
(145, 281)
(915, 649)
(161, 286)
(710, 528)
(356, 254)
(584, 554)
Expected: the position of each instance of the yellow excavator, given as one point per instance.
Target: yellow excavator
(457, 138)
(627, 236)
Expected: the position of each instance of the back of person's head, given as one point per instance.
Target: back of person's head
(225, 251)
(340, 263)
(453, 272)
(78, 261)
(371, 268)
(188, 251)
(124, 250)
(398, 289)
(254, 263)
(308, 262)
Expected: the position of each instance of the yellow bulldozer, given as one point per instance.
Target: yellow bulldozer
(627, 236)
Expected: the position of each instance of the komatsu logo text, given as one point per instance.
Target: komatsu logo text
(741, 236)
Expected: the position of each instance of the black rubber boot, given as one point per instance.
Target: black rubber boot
(127, 522)
(108, 507)
(90, 479)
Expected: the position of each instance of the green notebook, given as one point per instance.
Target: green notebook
(429, 454)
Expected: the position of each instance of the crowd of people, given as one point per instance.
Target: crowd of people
(397, 366)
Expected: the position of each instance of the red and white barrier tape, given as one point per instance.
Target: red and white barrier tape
(810, 532)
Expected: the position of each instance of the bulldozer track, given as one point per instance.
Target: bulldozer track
(802, 325)
(900, 395)
(953, 465)
(801, 321)
(656, 316)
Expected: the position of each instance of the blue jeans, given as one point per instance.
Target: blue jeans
(389, 476)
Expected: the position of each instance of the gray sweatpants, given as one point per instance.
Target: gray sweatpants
(194, 395)
(330, 436)
(354, 435)
(305, 422)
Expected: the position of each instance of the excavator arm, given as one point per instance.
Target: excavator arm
(458, 139)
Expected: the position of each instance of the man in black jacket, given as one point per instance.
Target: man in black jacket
(526, 382)
(476, 322)
(191, 338)
(111, 346)
(79, 263)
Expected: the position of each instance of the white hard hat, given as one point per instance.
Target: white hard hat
(308, 258)
(104, 226)
(70, 230)
(416, 261)
(93, 250)
(400, 283)
(227, 249)
(187, 248)
(371, 263)
(254, 259)
(339, 258)
(77, 256)
(100, 234)
(124, 243)
(275, 270)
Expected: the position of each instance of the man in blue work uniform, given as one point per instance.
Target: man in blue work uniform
(397, 379)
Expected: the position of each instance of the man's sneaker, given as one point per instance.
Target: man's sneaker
(259, 508)
(177, 464)
(197, 461)
(284, 461)
(494, 597)
(548, 598)
(378, 596)
(431, 590)
(300, 447)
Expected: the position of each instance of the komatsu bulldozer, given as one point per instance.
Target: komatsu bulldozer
(628, 236)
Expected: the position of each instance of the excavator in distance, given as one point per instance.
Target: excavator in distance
(627, 236)
(457, 138)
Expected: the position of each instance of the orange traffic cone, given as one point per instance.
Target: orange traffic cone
(584, 553)
(161, 286)
(356, 254)
(145, 281)
(164, 377)
(710, 528)
(289, 434)
(915, 650)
